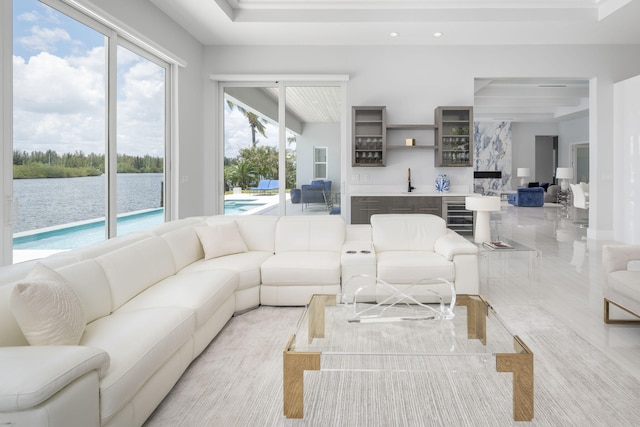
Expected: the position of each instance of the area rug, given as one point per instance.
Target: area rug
(237, 381)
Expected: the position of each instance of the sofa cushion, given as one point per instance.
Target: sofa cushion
(138, 343)
(625, 283)
(310, 233)
(302, 268)
(185, 246)
(246, 265)
(258, 231)
(411, 266)
(47, 308)
(90, 283)
(406, 232)
(132, 269)
(201, 292)
(221, 239)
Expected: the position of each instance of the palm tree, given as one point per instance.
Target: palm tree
(242, 174)
(256, 123)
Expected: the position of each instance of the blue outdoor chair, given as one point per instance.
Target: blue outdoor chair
(266, 185)
(318, 192)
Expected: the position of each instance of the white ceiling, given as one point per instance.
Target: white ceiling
(369, 22)
(462, 22)
(530, 100)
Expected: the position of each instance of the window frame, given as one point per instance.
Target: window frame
(325, 162)
(115, 34)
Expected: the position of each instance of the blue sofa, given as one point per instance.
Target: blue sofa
(533, 197)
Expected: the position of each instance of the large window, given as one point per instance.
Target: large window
(90, 138)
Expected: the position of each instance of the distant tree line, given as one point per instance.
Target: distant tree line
(49, 164)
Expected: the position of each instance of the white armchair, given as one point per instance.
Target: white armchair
(621, 280)
(580, 199)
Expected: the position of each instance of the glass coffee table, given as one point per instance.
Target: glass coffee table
(335, 335)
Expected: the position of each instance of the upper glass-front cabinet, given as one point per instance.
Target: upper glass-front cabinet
(369, 136)
(454, 136)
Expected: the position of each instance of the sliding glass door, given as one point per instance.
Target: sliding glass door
(141, 123)
(89, 131)
(277, 139)
(59, 121)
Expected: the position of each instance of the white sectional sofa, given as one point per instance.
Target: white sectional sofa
(136, 310)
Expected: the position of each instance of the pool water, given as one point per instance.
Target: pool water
(83, 233)
(239, 206)
(74, 235)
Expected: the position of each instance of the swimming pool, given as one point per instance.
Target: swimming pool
(241, 206)
(83, 233)
(74, 235)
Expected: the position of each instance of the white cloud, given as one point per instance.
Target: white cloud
(59, 104)
(141, 102)
(50, 84)
(238, 133)
(44, 39)
(31, 16)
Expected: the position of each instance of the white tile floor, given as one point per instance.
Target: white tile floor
(569, 283)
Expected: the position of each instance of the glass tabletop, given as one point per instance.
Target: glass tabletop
(330, 325)
(334, 335)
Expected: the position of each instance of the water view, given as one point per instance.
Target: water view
(46, 203)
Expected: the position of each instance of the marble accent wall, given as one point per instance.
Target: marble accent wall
(492, 151)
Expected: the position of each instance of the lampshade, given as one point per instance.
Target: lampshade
(482, 203)
(564, 173)
(523, 172)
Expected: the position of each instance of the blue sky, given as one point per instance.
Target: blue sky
(59, 88)
(59, 91)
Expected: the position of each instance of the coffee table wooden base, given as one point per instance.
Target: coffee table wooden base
(521, 364)
(295, 363)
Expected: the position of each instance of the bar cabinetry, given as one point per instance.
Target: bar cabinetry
(362, 207)
(369, 136)
(454, 136)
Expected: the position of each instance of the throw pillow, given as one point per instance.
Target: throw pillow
(221, 239)
(47, 308)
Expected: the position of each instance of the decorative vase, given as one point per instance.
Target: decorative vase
(442, 183)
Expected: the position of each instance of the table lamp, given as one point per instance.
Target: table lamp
(523, 173)
(564, 174)
(482, 205)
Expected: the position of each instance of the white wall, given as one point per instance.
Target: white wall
(412, 80)
(523, 136)
(318, 135)
(626, 175)
(571, 132)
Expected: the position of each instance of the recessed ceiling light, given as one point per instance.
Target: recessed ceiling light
(437, 34)
(394, 34)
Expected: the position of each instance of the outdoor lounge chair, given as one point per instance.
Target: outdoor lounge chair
(266, 185)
